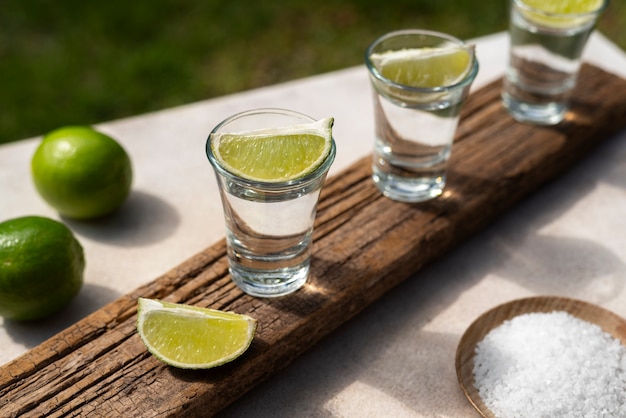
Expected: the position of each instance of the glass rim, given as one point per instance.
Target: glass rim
(469, 77)
(522, 5)
(269, 185)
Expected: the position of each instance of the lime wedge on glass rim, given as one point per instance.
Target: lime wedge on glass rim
(561, 13)
(277, 154)
(191, 337)
(565, 6)
(427, 67)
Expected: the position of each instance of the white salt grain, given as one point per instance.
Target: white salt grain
(551, 365)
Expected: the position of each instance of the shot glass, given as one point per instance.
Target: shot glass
(544, 60)
(269, 225)
(414, 127)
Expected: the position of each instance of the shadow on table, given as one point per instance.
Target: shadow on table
(383, 359)
(533, 258)
(378, 360)
(143, 219)
(32, 333)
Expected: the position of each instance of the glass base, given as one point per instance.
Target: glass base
(269, 284)
(539, 114)
(410, 190)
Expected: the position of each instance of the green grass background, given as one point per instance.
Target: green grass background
(81, 62)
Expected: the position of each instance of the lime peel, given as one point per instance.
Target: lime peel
(191, 337)
(312, 128)
(42, 266)
(274, 154)
(81, 172)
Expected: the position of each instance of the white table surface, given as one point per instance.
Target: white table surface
(397, 357)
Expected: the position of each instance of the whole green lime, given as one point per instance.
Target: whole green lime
(41, 267)
(81, 172)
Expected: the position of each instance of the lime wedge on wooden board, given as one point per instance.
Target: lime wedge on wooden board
(191, 337)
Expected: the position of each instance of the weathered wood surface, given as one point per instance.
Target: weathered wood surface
(364, 246)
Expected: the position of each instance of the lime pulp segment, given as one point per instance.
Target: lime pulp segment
(275, 155)
(191, 337)
(565, 6)
(426, 67)
(561, 14)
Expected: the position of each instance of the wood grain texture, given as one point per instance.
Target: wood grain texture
(364, 245)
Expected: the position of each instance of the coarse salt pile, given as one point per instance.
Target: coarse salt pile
(551, 365)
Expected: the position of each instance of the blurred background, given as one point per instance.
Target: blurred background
(83, 62)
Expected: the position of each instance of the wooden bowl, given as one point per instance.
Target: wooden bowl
(608, 321)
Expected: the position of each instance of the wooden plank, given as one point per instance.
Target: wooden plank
(364, 245)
